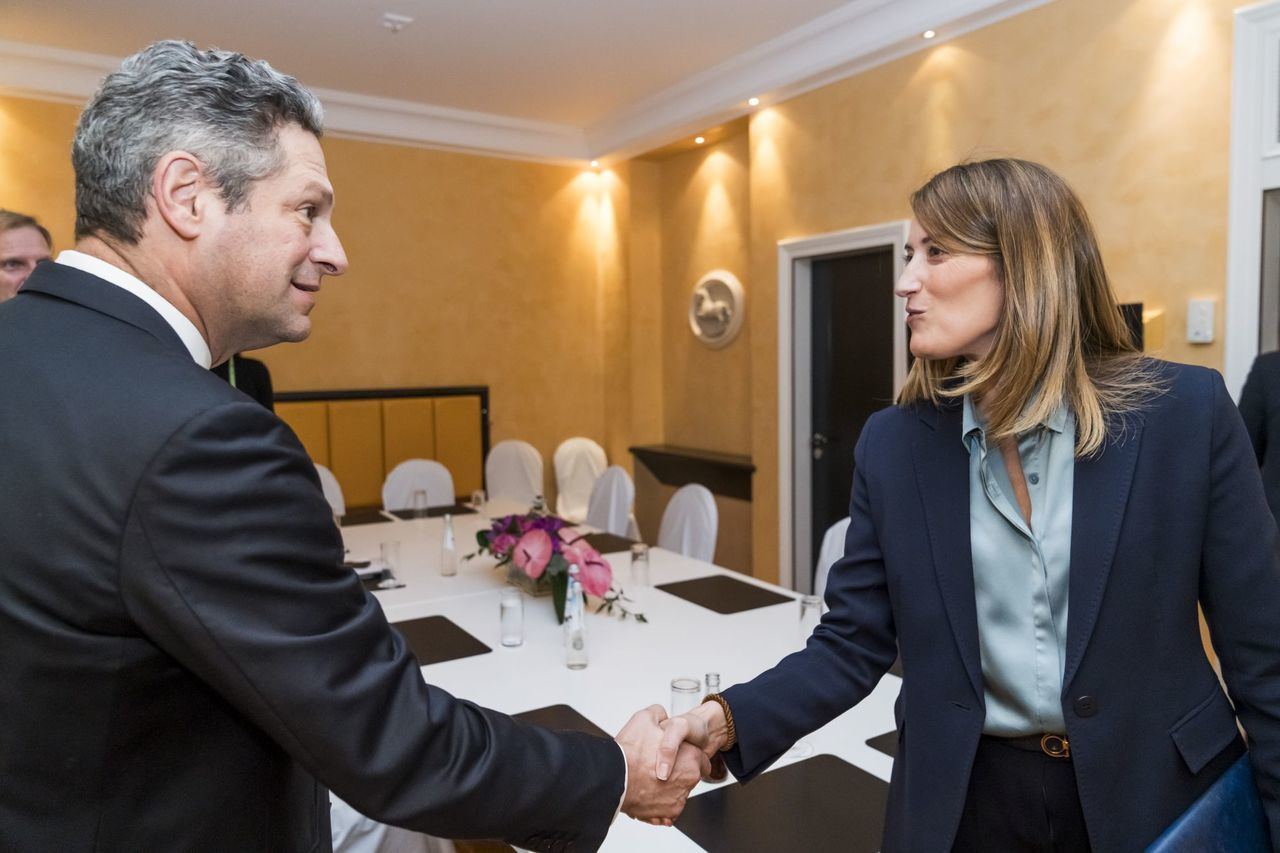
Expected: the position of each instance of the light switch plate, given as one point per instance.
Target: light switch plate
(1200, 321)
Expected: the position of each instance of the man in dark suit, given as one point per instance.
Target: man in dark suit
(186, 664)
(250, 376)
(1260, 407)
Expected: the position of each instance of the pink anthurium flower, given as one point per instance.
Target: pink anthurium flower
(532, 553)
(593, 572)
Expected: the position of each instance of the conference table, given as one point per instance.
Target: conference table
(831, 784)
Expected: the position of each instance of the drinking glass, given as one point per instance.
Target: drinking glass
(478, 500)
(418, 503)
(685, 693)
(640, 565)
(511, 617)
(810, 616)
(390, 552)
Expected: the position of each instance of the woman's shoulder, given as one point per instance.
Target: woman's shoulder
(1174, 384)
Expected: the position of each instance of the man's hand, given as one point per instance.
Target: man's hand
(648, 798)
(703, 727)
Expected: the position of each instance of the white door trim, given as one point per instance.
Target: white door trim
(1255, 167)
(795, 261)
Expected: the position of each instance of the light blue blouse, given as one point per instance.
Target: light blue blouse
(1020, 573)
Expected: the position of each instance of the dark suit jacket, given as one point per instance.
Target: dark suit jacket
(252, 378)
(1171, 514)
(186, 666)
(1260, 407)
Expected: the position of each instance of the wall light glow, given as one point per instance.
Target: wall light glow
(929, 34)
(699, 139)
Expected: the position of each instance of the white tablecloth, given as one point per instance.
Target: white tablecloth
(631, 664)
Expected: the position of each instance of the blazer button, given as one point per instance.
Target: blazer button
(1085, 706)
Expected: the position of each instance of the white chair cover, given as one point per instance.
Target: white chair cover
(513, 472)
(610, 506)
(332, 490)
(413, 474)
(352, 832)
(689, 523)
(579, 462)
(832, 549)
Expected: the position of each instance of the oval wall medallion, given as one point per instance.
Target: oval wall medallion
(716, 308)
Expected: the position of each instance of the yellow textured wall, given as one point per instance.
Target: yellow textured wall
(1129, 101)
(465, 270)
(35, 164)
(566, 291)
(705, 212)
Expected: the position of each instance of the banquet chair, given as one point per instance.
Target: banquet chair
(578, 462)
(513, 472)
(412, 475)
(332, 490)
(611, 497)
(689, 523)
(831, 550)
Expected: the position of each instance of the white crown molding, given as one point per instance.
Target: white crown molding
(66, 76)
(851, 39)
(840, 44)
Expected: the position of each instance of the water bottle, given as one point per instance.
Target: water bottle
(718, 769)
(575, 629)
(448, 553)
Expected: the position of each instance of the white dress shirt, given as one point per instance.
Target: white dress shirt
(185, 329)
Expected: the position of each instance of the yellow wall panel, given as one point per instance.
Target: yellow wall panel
(458, 441)
(310, 421)
(408, 430)
(355, 448)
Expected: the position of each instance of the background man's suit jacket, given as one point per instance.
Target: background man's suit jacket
(186, 664)
(1170, 514)
(1260, 407)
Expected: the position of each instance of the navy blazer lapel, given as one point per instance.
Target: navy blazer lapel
(1099, 495)
(82, 288)
(942, 476)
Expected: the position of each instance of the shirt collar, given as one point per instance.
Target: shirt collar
(974, 424)
(185, 329)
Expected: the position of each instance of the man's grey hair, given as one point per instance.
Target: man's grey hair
(222, 107)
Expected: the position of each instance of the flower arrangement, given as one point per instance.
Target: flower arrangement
(541, 548)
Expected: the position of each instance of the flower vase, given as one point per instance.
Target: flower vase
(557, 586)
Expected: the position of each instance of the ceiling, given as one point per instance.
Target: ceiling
(551, 79)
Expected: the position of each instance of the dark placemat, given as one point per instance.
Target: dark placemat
(436, 639)
(435, 511)
(821, 803)
(607, 543)
(560, 718)
(724, 594)
(363, 515)
(886, 743)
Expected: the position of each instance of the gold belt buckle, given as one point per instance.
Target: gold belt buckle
(1055, 746)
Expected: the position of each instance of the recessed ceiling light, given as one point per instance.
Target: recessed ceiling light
(699, 139)
(929, 34)
(753, 102)
(595, 164)
(395, 22)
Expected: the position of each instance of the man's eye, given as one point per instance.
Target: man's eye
(311, 212)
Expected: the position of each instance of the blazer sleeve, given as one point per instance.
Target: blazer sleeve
(1240, 593)
(844, 659)
(231, 565)
(1253, 408)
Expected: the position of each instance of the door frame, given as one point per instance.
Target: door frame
(795, 292)
(1255, 168)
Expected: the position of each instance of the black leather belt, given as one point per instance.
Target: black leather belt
(1054, 746)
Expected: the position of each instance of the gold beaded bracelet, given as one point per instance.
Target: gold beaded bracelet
(731, 737)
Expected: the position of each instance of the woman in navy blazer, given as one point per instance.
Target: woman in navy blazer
(1010, 308)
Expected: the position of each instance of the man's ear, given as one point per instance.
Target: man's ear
(181, 191)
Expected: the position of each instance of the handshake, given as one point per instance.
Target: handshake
(667, 757)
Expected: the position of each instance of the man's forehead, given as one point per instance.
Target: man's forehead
(24, 239)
